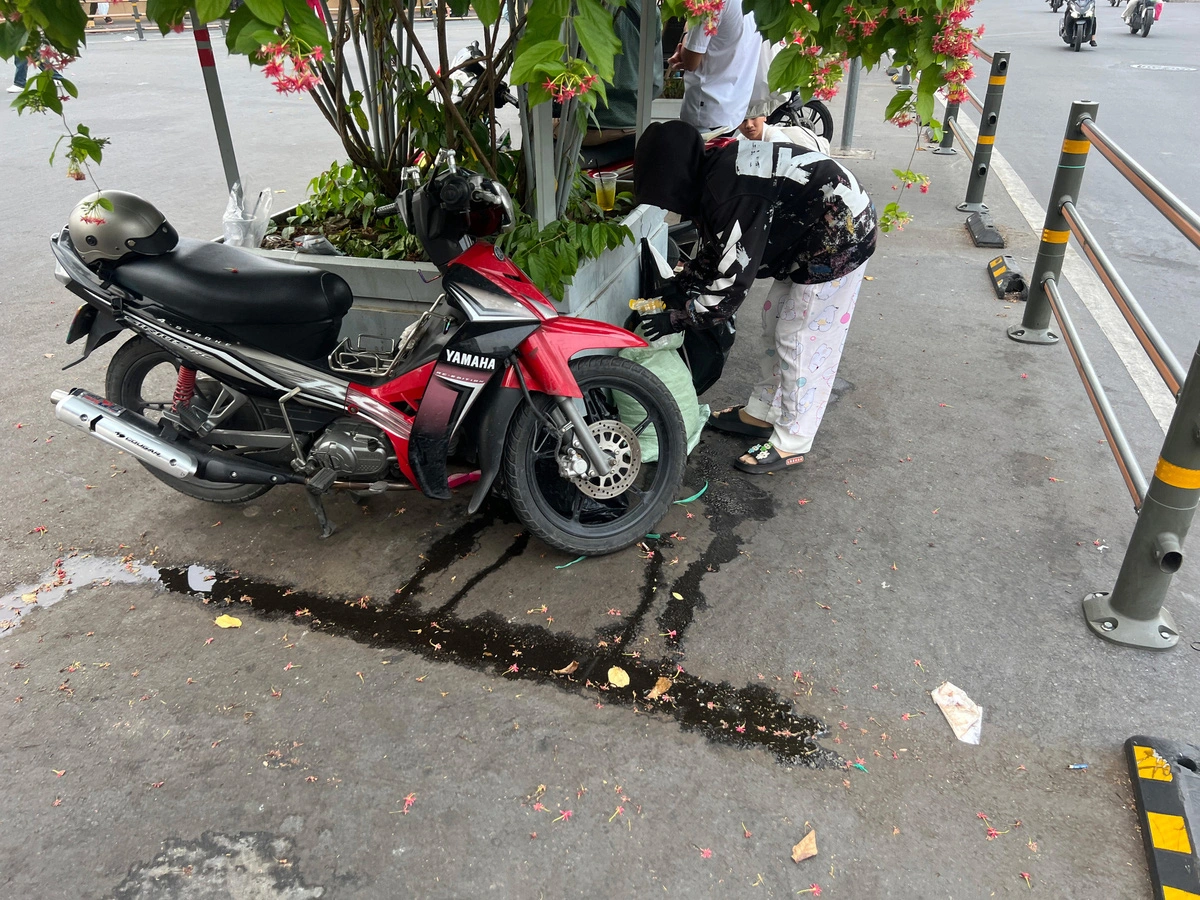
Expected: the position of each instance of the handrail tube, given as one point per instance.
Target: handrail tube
(1174, 209)
(987, 57)
(962, 138)
(974, 100)
(1135, 481)
(1156, 348)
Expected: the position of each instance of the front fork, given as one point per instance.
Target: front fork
(584, 436)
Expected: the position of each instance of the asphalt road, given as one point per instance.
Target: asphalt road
(1150, 112)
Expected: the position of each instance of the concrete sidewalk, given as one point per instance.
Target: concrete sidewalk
(956, 508)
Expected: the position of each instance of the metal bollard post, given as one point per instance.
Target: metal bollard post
(137, 23)
(1132, 614)
(946, 147)
(987, 135)
(1035, 323)
(851, 107)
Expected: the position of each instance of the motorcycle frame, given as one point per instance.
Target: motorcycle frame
(489, 363)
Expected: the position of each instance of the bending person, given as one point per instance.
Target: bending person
(764, 210)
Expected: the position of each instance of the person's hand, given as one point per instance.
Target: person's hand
(676, 60)
(665, 324)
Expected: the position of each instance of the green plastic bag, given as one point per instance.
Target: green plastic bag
(663, 359)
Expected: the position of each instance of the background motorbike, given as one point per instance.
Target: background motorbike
(1078, 23)
(236, 381)
(1142, 16)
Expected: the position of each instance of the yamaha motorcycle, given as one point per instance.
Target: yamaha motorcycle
(236, 381)
(1078, 23)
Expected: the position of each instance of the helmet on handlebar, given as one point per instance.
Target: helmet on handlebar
(111, 225)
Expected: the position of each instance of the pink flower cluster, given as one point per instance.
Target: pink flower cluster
(568, 85)
(49, 58)
(302, 78)
(706, 11)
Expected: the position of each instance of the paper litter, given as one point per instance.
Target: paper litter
(964, 715)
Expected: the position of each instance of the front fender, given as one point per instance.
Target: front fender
(545, 356)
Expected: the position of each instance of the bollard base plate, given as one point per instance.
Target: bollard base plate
(945, 151)
(973, 208)
(1023, 335)
(1158, 633)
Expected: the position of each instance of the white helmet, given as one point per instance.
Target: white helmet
(115, 224)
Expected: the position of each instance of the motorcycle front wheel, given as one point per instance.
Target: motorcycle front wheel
(1147, 21)
(625, 405)
(141, 377)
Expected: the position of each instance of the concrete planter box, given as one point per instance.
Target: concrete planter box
(603, 287)
(389, 294)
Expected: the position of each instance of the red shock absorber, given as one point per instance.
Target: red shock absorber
(185, 386)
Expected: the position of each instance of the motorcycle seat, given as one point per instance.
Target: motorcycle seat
(295, 310)
(600, 155)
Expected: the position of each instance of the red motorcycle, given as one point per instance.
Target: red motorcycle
(236, 380)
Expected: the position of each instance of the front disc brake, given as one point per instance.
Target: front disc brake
(620, 446)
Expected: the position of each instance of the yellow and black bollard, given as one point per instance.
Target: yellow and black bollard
(1035, 324)
(1132, 614)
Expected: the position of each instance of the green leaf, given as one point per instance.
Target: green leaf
(166, 13)
(459, 7)
(212, 10)
(69, 87)
(544, 19)
(897, 103)
(790, 70)
(304, 23)
(530, 58)
(104, 203)
(360, 117)
(487, 10)
(594, 27)
(926, 88)
(247, 34)
(62, 21)
(269, 11)
(537, 94)
(13, 36)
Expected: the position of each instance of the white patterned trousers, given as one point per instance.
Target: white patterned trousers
(804, 331)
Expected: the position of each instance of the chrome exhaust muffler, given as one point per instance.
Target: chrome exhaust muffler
(118, 427)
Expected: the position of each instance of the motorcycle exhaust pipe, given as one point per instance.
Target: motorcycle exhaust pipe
(113, 425)
(136, 435)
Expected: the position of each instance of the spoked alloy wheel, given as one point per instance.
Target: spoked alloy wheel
(141, 378)
(591, 516)
(816, 117)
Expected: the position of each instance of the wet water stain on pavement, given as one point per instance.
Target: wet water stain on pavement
(741, 717)
(747, 717)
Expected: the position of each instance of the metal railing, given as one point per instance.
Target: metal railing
(1132, 613)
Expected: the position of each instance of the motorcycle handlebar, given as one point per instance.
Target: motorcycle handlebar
(389, 209)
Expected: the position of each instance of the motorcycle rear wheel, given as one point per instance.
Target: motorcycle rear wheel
(813, 115)
(554, 508)
(141, 378)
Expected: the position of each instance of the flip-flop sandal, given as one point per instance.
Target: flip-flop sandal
(767, 459)
(727, 421)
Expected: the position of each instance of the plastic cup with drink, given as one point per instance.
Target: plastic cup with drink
(606, 189)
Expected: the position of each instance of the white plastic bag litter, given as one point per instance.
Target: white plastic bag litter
(964, 715)
(243, 227)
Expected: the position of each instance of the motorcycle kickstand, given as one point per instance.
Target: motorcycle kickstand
(317, 485)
